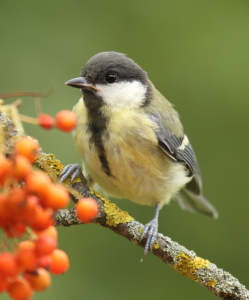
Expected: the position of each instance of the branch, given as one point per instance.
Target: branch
(27, 94)
(184, 261)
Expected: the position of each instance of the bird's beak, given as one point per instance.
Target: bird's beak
(81, 83)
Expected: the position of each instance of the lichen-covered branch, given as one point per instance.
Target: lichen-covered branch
(186, 262)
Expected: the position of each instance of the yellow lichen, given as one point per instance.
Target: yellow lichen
(212, 283)
(52, 166)
(140, 230)
(92, 191)
(114, 215)
(187, 265)
(156, 245)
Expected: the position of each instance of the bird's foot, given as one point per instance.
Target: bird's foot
(74, 170)
(150, 230)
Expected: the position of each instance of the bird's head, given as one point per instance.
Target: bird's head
(114, 80)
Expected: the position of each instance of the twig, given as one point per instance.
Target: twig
(27, 94)
(38, 105)
(28, 119)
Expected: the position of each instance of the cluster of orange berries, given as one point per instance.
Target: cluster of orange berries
(64, 120)
(28, 202)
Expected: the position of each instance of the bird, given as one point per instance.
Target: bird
(131, 141)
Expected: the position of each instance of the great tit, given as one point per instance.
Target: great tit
(131, 140)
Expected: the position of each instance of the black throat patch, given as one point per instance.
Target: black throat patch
(97, 127)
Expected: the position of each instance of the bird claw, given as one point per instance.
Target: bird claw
(72, 169)
(150, 230)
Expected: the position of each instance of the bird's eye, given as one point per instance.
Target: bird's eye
(111, 78)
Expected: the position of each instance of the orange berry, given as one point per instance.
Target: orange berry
(27, 244)
(45, 245)
(65, 120)
(26, 259)
(56, 197)
(29, 213)
(60, 262)
(4, 284)
(87, 209)
(27, 147)
(37, 182)
(50, 231)
(20, 167)
(45, 121)
(39, 280)
(4, 169)
(20, 289)
(43, 219)
(8, 264)
(17, 200)
(5, 215)
(44, 261)
(23, 211)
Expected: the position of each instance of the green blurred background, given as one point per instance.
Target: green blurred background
(197, 55)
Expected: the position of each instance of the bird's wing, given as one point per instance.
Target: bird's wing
(180, 150)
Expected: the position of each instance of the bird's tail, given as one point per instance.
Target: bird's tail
(196, 203)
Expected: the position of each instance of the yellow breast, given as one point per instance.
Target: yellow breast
(139, 168)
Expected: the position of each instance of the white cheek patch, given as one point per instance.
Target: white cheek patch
(123, 94)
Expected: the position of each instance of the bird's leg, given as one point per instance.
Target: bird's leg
(150, 230)
(74, 170)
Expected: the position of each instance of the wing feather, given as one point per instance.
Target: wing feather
(179, 150)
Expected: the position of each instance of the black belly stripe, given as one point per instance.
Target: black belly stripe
(97, 128)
